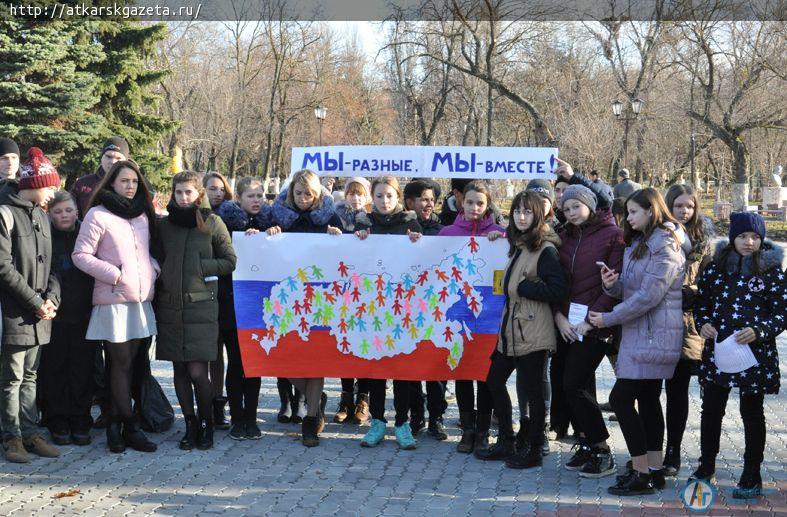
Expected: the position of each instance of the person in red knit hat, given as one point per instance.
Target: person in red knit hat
(29, 297)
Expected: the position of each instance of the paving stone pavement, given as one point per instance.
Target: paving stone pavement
(278, 476)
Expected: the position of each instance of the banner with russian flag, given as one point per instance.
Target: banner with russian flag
(317, 305)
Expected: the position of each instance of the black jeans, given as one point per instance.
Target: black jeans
(530, 369)
(466, 395)
(522, 389)
(243, 392)
(579, 376)
(714, 404)
(677, 390)
(560, 415)
(643, 427)
(435, 399)
(66, 376)
(401, 390)
(348, 385)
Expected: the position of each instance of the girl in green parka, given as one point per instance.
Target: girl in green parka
(193, 247)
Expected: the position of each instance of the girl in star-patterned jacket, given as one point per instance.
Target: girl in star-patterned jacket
(742, 292)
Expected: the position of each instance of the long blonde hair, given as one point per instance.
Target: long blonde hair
(311, 181)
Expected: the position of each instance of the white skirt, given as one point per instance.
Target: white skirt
(121, 322)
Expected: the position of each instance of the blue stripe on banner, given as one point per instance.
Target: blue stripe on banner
(250, 293)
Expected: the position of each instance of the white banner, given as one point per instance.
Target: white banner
(514, 163)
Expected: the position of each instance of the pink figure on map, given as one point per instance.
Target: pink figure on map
(422, 305)
(378, 343)
(408, 307)
(277, 310)
(346, 297)
(356, 280)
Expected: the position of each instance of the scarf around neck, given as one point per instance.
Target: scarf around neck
(122, 206)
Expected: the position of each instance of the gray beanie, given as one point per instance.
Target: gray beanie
(582, 194)
(624, 173)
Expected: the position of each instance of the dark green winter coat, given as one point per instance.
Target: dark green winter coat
(187, 309)
(26, 277)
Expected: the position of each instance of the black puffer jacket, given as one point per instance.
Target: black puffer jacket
(26, 278)
(76, 286)
(396, 223)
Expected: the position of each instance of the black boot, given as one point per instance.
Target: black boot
(286, 408)
(309, 431)
(525, 458)
(321, 412)
(467, 442)
(636, 483)
(205, 435)
(658, 479)
(521, 435)
(750, 484)
(298, 407)
(114, 435)
(436, 428)
(189, 440)
(219, 419)
(672, 461)
(502, 450)
(134, 437)
(482, 423)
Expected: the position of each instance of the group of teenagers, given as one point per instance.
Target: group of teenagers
(99, 269)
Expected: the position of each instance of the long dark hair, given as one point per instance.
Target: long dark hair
(649, 199)
(533, 236)
(694, 227)
(730, 248)
(143, 191)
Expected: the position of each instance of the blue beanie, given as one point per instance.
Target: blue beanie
(746, 222)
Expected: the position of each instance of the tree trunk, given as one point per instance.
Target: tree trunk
(740, 174)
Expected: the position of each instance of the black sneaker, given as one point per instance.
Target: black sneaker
(417, 425)
(252, 431)
(600, 464)
(579, 458)
(671, 461)
(703, 473)
(238, 431)
(436, 429)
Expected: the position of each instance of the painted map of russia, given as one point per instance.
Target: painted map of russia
(372, 315)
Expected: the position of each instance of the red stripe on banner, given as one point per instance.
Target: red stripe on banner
(320, 357)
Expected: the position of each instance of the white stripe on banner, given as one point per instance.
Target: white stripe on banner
(513, 163)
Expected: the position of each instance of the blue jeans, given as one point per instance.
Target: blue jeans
(18, 370)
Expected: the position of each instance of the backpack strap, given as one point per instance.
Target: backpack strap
(8, 217)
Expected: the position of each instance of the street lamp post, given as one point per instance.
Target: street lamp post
(320, 112)
(628, 116)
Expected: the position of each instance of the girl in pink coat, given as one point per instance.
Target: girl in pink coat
(113, 247)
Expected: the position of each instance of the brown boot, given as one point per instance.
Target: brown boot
(37, 444)
(15, 451)
(345, 407)
(361, 415)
